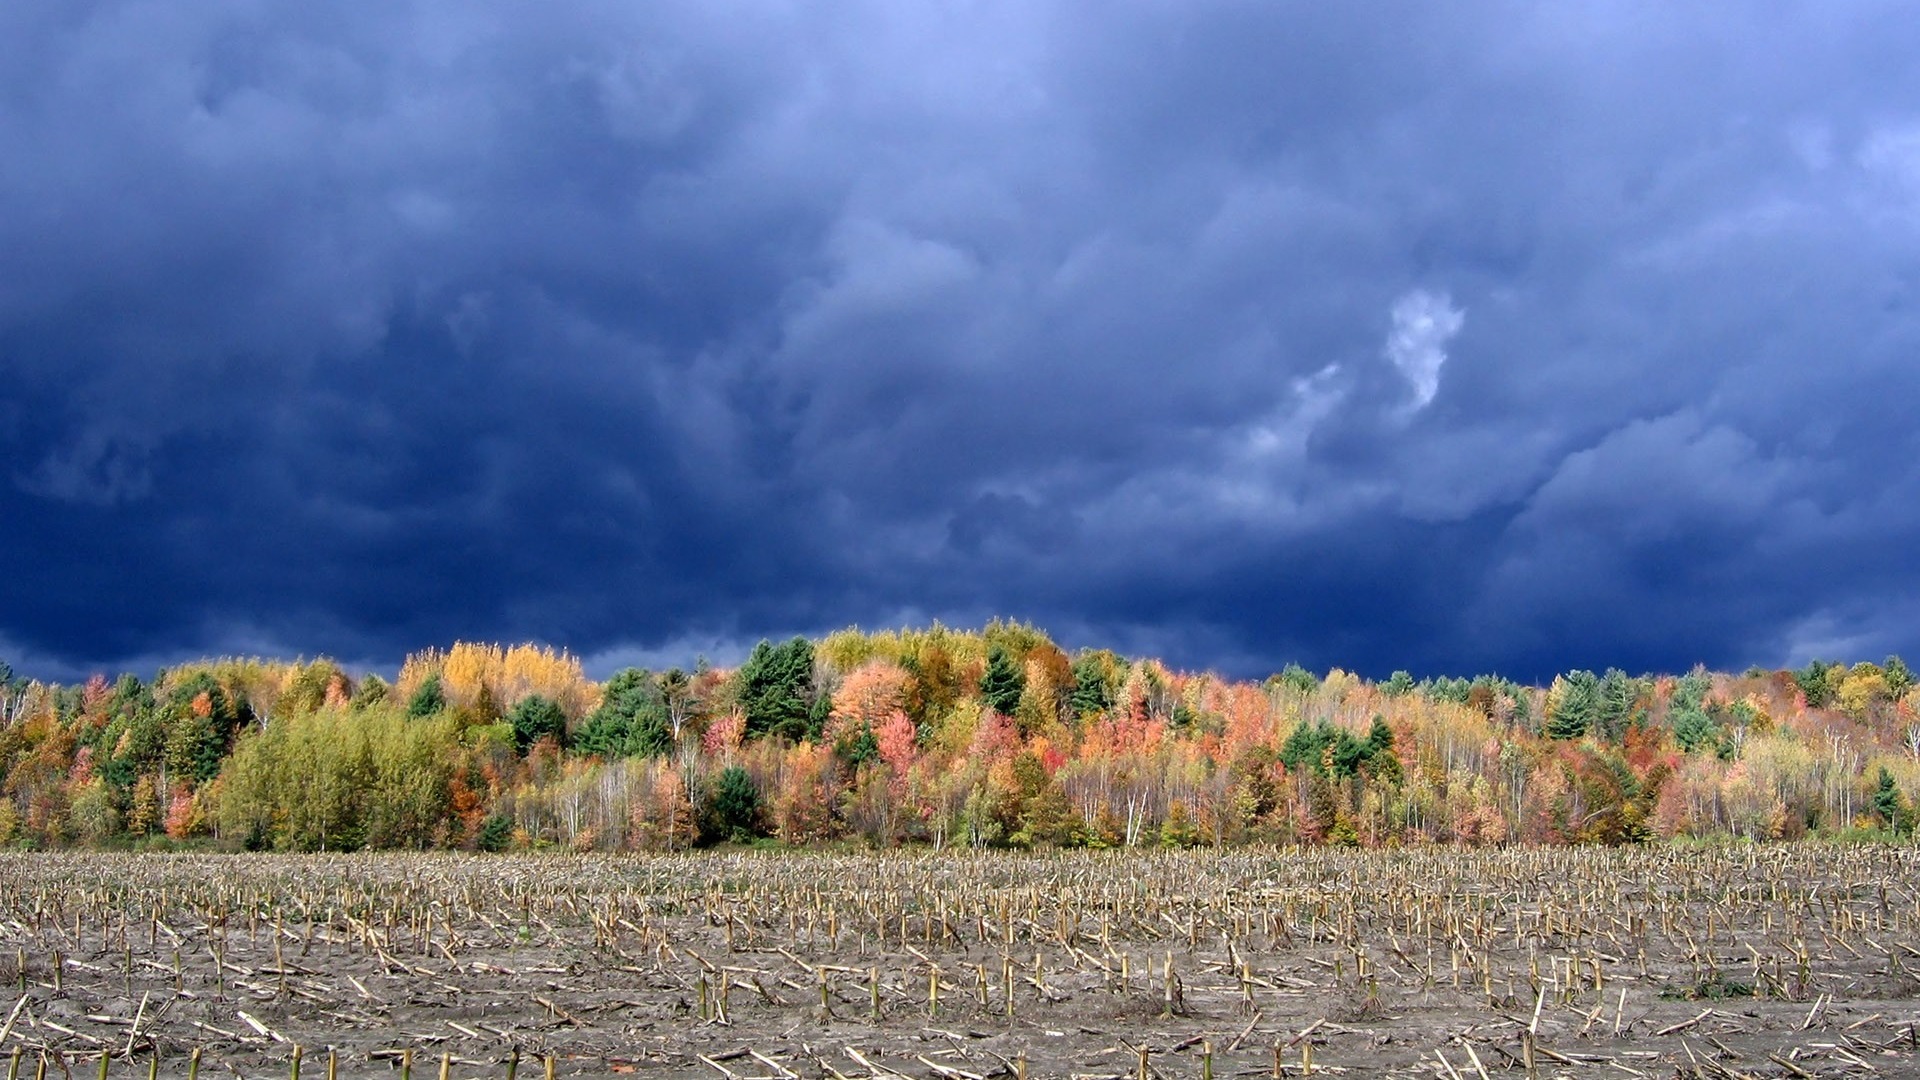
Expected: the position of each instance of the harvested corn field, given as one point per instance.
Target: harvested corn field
(1780, 961)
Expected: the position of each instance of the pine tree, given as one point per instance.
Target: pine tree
(428, 699)
(1296, 678)
(631, 719)
(776, 689)
(1003, 682)
(1899, 676)
(1090, 695)
(535, 717)
(1302, 748)
(735, 807)
(495, 833)
(1617, 692)
(1572, 704)
(1816, 683)
(1345, 753)
(1888, 805)
(372, 691)
(1379, 736)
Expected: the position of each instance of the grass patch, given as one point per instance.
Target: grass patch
(1715, 987)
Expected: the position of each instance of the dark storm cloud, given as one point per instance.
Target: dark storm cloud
(1486, 337)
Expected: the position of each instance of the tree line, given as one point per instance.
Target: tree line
(943, 737)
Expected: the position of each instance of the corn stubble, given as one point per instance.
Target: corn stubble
(1792, 960)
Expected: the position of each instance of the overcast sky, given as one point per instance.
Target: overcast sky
(1453, 337)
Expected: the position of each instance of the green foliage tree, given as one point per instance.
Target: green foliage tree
(1302, 747)
(307, 691)
(1693, 728)
(1614, 707)
(1321, 749)
(194, 750)
(495, 833)
(1346, 754)
(1048, 819)
(1816, 682)
(428, 699)
(95, 814)
(1889, 806)
(373, 690)
(1379, 735)
(631, 720)
(535, 717)
(1899, 676)
(1016, 638)
(323, 782)
(1002, 683)
(819, 711)
(1399, 684)
(775, 689)
(1091, 695)
(857, 748)
(1294, 677)
(734, 810)
(199, 721)
(1573, 705)
(1178, 829)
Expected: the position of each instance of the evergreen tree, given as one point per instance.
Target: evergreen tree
(1615, 706)
(428, 699)
(1693, 686)
(534, 718)
(1815, 683)
(1888, 805)
(650, 732)
(1003, 682)
(194, 750)
(495, 833)
(200, 723)
(1692, 727)
(776, 689)
(203, 694)
(1899, 676)
(631, 720)
(1399, 684)
(1345, 754)
(1090, 696)
(819, 711)
(1302, 748)
(857, 748)
(1295, 677)
(1379, 736)
(372, 691)
(735, 807)
(1572, 705)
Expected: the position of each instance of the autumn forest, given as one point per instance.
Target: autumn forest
(941, 737)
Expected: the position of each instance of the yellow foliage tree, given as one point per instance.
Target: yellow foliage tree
(508, 675)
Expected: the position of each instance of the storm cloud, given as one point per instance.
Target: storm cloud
(1474, 337)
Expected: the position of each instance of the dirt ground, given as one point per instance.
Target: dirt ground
(1772, 962)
